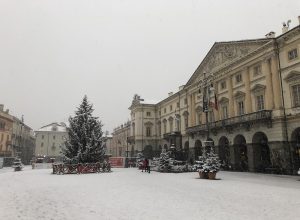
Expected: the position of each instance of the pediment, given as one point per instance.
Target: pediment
(223, 53)
(258, 87)
(223, 100)
(148, 123)
(293, 75)
(239, 94)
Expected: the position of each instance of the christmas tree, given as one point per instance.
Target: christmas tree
(85, 143)
(139, 160)
(165, 162)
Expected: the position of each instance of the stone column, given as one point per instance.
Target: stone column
(248, 101)
(230, 97)
(269, 88)
(276, 82)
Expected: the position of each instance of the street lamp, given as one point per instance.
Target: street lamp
(207, 90)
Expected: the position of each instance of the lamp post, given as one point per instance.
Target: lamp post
(207, 90)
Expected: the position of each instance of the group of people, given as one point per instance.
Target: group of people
(146, 165)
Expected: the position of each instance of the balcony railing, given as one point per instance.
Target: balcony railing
(264, 116)
(171, 134)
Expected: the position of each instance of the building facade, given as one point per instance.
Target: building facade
(50, 139)
(23, 140)
(6, 127)
(119, 144)
(252, 107)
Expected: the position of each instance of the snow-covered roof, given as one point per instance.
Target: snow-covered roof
(55, 127)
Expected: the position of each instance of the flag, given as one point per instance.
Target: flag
(216, 103)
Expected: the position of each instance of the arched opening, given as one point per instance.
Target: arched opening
(240, 151)
(186, 150)
(165, 146)
(261, 151)
(198, 149)
(148, 152)
(224, 152)
(296, 147)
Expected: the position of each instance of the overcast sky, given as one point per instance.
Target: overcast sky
(53, 52)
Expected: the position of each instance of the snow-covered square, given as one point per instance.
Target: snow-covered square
(131, 194)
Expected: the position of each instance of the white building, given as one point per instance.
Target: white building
(50, 139)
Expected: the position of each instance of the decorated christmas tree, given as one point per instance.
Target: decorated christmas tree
(85, 142)
(17, 165)
(165, 162)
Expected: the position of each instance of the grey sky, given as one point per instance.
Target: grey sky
(53, 52)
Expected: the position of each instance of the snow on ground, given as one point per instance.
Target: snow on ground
(131, 194)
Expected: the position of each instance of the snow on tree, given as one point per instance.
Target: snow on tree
(165, 162)
(209, 162)
(85, 142)
(139, 160)
(17, 165)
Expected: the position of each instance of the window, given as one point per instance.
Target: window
(260, 105)
(292, 54)
(257, 70)
(296, 95)
(148, 131)
(171, 125)
(165, 127)
(159, 129)
(238, 78)
(178, 105)
(42, 144)
(225, 112)
(241, 108)
(171, 107)
(2, 125)
(185, 101)
(165, 110)
(148, 113)
(199, 118)
(223, 85)
(211, 116)
(42, 136)
(54, 137)
(186, 121)
(159, 113)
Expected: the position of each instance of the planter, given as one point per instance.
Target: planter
(203, 175)
(212, 175)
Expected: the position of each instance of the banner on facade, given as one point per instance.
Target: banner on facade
(117, 161)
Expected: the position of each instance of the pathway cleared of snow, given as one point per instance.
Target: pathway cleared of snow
(131, 194)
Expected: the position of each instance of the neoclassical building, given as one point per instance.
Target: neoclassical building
(253, 111)
(50, 139)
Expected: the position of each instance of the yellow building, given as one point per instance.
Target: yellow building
(253, 111)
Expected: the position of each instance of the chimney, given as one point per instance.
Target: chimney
(181, 87)
(170, 93)
(7, 111)
(270, 34)
(299, 19)
(1, 107)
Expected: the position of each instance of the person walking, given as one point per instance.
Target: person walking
(149, 166)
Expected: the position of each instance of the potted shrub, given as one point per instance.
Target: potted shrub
(211, 165)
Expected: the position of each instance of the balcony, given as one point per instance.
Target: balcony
(171, 134)
(247, 120)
